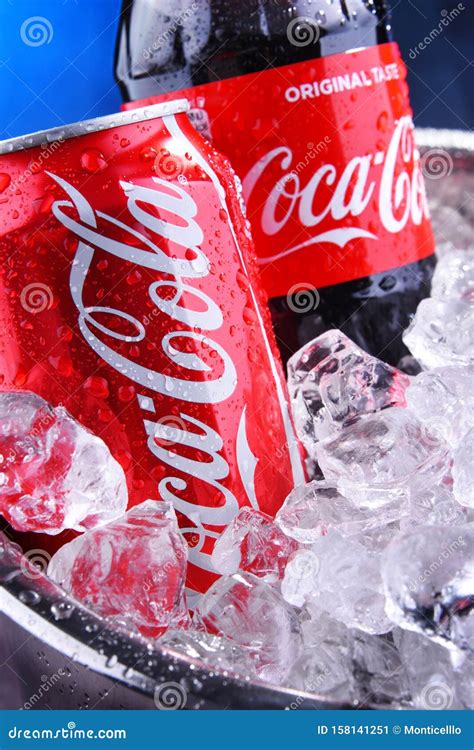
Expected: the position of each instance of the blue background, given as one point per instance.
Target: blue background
(67, 79)
(241, 730)
(71, 77)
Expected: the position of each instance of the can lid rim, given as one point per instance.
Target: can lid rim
(65, 132)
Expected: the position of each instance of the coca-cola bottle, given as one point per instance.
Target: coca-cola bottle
(308, 99)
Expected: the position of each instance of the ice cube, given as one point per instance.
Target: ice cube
(326, 671)
(343, 579)
(132, 570)
(382, 458)
(454, 276)
(463, 471)
(434, 506)
(434, 682)
(428, 576)
(380, 672)
(300, 578)
(325, 666)
(215, 652)
(253, 614)
(377, 539)
(319, 627)
(253, 543)
(441, 333)
(311, 510)
(54, 474)
(443, 399)
(347, 665)
(333, 382)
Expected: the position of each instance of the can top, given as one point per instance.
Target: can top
(64, 132)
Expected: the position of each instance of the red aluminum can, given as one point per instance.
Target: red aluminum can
(130, 295)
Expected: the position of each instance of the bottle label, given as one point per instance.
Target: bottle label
(330, 171)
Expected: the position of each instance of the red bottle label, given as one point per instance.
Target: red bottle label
(330, 171)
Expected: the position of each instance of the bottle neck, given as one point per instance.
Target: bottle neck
(282, 33)
(211, 40)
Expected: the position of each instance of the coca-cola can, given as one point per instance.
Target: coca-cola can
(130, 296)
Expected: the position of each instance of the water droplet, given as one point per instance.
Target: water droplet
(126, 393)
(62, 610)
(169, 384)
(242, 281)
(249, 316)
(147, 154)
(29, 597)
(97, 386)
(134, 277)
(92, 160)
(5, 180)
(71, 243)
(46, 203)
(382, 122)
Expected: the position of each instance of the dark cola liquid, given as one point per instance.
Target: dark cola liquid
(208, 40)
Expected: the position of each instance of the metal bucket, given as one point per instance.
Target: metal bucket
(54, 654)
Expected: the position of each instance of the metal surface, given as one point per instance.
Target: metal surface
(56, 654)
(85, 127)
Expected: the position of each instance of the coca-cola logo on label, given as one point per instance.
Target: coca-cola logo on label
(391, 178)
